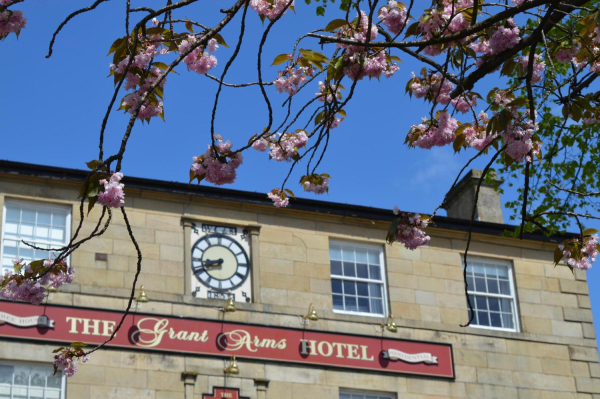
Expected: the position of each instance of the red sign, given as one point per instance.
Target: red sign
(224, 393)
(224, 339)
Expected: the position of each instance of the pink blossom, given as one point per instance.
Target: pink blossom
(154, 21)
(538, 66)
(286, 146)
(464, 103)
(11, 22)
(27, 291)
(280, 200)
(292, 78)
(112, 195)
(429, 136)
(476, 135)
(66, 359)
(393, 16)
(217, 168)
(566, 55)
(270, 9)
(317, 186)
(583, 258)
(327, 93)
(198, 60)
(260, 145)
(409, 231)
(504, 37)
(433, 87)
(6, 3)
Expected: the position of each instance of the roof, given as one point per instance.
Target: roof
(314, 206)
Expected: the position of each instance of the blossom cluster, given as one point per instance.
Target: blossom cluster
(10, 21)
(66, 359)
(327, 94)
(476, 135)
(446, 20)
(292, 78)
(279, 198)
(315, 183)
(436, 89)
(141, 75)
(199, 60)
(433, 133)
(271, 9)
(112, 194)
(393, 16)
(580, 254)
(503, 37)
(538, 66)
(27, 281)
(361, 61)
(283, 147)
(217, 166)
(409, 229)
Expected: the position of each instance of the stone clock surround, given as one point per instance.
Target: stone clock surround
(254, 232)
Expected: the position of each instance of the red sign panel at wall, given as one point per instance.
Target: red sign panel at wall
(216, 338)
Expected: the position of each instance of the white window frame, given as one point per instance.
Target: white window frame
(386, 395)
(63, 383)
(36, 204)
(513, 297)
(383, 281)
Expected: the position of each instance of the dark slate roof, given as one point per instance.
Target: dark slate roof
(315, 206)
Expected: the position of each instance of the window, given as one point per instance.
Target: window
(492, 294)
(357, 279)
(365, 395)
(30, 382)
(42, 224)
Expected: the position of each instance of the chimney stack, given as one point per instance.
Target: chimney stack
(460, 199)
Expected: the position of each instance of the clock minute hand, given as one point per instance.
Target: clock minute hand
(212, 263)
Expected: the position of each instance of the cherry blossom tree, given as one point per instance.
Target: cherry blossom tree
(538, 129)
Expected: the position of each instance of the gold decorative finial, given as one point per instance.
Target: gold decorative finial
(142, 298)
(232, 368)
(230, 306)
(390, 325)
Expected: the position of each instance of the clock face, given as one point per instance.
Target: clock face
(219, 262)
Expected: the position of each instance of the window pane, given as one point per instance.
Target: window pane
(361, 256)
(505, 305)
(507, 319)
(505, 287)
(336, 268)
(470, 283)
(348, 254)
(495, 319)
(13, 213)
(350, 302)
(363, 305)
(44, 218)
(349, 269)
(480, 285)
(493, 286)
(362, 270)
(58, 234)
(481, 302)
(335, 252)
(503, 272)
(373, 257)
(349, 288)
(11, 229)
(376, 306)
(494, 304)
(483, 319)
(338, 302)
(6, 374)
(28, 215)
(362, 289)
(375, 272)
(375, 290)
(478, 270)
(336, 286)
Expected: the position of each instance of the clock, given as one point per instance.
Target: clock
(219, 262)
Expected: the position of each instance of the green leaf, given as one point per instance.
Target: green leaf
(77, 345)
(91, 202)
(289, 192)
(589, 232)
(558, 254)
(189, 26)
(280, 59)
(518, 102)
(94, 165)
(220, 40)
(392, 231)
(335, 24)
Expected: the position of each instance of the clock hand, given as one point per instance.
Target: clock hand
(212, 263)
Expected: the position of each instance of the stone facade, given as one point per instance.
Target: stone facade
(554, 355)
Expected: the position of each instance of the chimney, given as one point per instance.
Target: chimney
(460, 199)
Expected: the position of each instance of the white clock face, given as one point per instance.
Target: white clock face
(219, 262)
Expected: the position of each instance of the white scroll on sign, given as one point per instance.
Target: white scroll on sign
(394, 354)
(31, 321)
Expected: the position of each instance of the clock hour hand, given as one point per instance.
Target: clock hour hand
(212, 263)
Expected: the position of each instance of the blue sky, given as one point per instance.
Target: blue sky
(51, 111)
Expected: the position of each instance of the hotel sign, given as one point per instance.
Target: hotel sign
(224, 339)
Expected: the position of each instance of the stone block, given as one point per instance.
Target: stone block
(556, 366)
(551, 284)
(406, 311)
(430, 313)
(490, 391)
(531, 364)
(164, 222)
(129, 378)
(558, 299)
(149, 251)
(466, 374)
(405, 266)
(165, 381)
(174, 238)
(79, 391)
(278, 251)
(303, 391)
(171, 252)
(543, 311)
(536, 325)
(321, 271)
(402, 280)
(486, 344)
(281, 281)
(451, 301)
(560, 271)
(580, 369)
(502, 361)
(594, 370)
(470, 358)
(529, 296)
(440, 257)
(312, 241)
(582, 315)
(276, 236)
(447, 272)
(421, 268)
(566, 329)
(495, 376)
(426, 386)
(574, 287)
(455, 287)
(425, 297)
(528, 267)
(584, 301)
(279, 266)
(583, 353)
(453, 316)
(529, 282)
(535, 349)
(431, 284)
(318, 256)
(543, 381)
(273, 296)
(402, 295)
(588, 385)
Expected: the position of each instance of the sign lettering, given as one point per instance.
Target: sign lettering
(224, 339)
